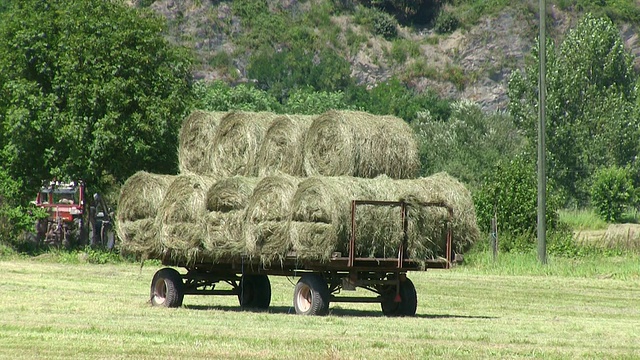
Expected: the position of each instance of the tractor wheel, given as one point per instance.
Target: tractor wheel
(408, 300)
(108, 236)
(78, 232)
(167, 288)
(41, 230)
(255, 292)
(311, 295)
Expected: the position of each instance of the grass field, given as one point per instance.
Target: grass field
(484, 310)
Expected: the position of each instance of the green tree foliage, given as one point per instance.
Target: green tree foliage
(219, 96)
(468, 144)
(88, 89)
(307, 101)
(15, 217)
(611, 191)
(280, 72)
(591, 104)
(510, 192)
(408, 11)
(394, 98)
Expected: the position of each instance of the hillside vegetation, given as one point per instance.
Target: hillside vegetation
(97, 90)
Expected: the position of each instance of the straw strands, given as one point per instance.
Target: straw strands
(281, 149)
(321, 222)
(224, 223)
(141, 195)
(180, 219)
(237, 141)
(359, 144)
(266, 216)
(194, 147)
(138, 204)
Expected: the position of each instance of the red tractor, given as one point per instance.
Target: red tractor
(71, 217)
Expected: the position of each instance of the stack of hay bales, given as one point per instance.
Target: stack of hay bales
(263, 185)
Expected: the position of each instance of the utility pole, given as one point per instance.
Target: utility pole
(542, 97)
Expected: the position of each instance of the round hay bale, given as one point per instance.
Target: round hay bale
(359, 144)
(231, 193)
(237, 141)
(321, 217)
(141, 195)
(280, 151)
(266, 215)
(195, 138)
(323, 201)
(181, 216)
(139, 238)
(224, 235)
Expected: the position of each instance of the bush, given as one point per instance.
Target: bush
(511, 192)
(611, 192)
(385, 25)
(378, 21)
(15, 218)
(446, 22)
(307, 101)
(219, 96)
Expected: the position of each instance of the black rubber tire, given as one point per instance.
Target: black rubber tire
(311, 295)
(408, 300)
(78, 233)
(167, 288)
(255, 292)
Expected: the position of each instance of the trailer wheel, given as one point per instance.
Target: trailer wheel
(408, 300)
(311, 295)
(167, 288)
(255, 291)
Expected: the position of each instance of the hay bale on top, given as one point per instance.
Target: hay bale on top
(231, 193)
(280, 151)
(195, 138)
(359, 144)
(266, 215)
(237, 141)
(141, 195)
(180, 219)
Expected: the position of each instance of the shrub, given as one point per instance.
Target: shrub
(611, 192)
(385, 25)
(511, 192)
(446, 22)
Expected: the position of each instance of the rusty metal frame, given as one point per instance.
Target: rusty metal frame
(404, 213)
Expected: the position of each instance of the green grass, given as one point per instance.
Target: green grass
(582, 219)
(52, 310)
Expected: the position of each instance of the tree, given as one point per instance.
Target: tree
(88, 89)
(611, 191)
(591, 95)
(468, 144)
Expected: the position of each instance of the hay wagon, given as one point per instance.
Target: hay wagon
(320, 283)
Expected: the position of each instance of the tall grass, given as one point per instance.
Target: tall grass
(582, 219)
(593, 265)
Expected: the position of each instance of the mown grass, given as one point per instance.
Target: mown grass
(515, 308)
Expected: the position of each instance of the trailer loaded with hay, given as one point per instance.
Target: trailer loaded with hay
(348, 213)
